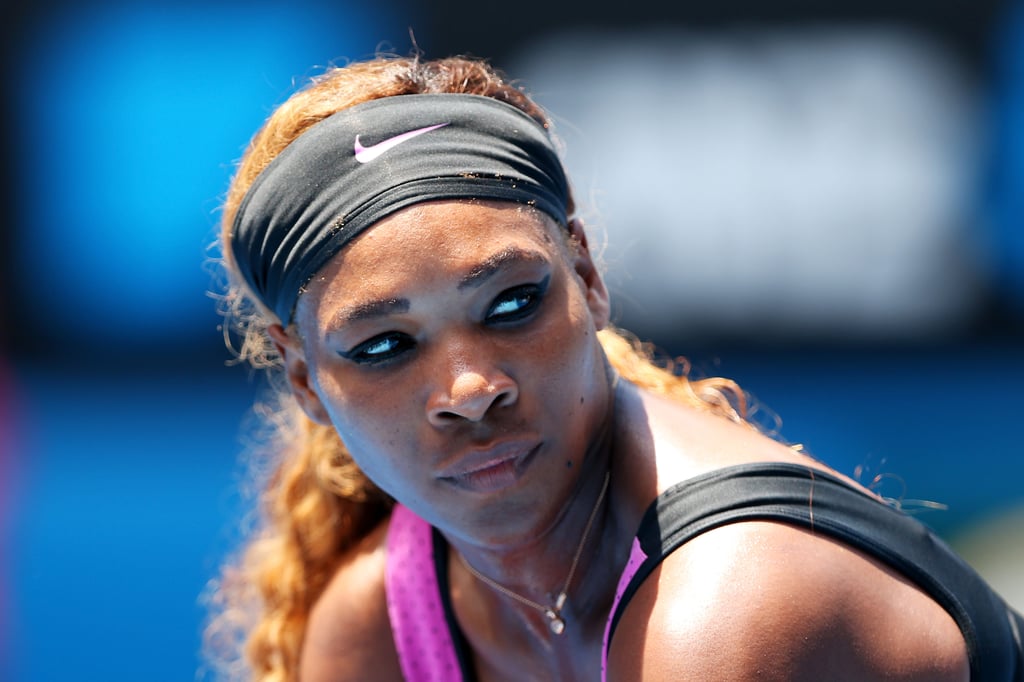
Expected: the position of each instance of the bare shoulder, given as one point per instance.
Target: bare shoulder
(688, 442)
(349, 634)
(766, 601)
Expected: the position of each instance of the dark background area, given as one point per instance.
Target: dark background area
(968, 30)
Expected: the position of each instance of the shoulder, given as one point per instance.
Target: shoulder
(670, 442)
(349, 634)
(761, 600)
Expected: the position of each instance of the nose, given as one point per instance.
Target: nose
(469, 392)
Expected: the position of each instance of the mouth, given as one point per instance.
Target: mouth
(491, 469)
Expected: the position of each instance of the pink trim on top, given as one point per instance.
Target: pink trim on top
(421, 634)
(636, 557)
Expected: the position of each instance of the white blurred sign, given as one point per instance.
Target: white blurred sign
(813, 182)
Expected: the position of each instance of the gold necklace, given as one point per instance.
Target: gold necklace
(553, 611)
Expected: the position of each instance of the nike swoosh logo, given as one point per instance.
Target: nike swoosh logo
(368, 154)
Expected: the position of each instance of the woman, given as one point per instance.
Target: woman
(475, 477)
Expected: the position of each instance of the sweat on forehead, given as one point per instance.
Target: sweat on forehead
(364, 163)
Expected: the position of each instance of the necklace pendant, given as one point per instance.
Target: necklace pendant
(554, 614)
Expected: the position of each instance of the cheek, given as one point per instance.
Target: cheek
(378, 446)
(367, 417)
(570, 356)
(578, 335)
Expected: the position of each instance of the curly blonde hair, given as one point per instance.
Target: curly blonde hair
(315, 502)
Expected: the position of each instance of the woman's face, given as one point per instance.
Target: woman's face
(453, 347)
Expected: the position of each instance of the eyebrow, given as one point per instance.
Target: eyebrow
(475, 278)
(368, 309)
(478, 275)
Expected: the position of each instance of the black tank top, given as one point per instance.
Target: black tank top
(815, 500)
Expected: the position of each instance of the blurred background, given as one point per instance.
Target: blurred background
(822, 201)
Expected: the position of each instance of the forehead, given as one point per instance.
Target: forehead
(433, 240)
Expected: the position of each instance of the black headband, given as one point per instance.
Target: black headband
(363, 163)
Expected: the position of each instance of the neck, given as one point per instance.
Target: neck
(538, 570)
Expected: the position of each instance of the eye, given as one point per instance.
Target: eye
(517, 303)
(379, 349)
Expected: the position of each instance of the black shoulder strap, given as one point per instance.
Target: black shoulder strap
(812, 499)
(462, 648)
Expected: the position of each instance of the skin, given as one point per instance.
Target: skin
(453, 346)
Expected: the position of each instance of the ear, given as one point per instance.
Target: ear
(583, 263)
(297, 370)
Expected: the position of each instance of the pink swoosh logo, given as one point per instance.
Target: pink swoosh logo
(368, 154)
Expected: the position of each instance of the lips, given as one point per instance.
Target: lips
(491, 468)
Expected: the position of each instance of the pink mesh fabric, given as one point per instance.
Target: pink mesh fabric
(636, 557)
(422, 639)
